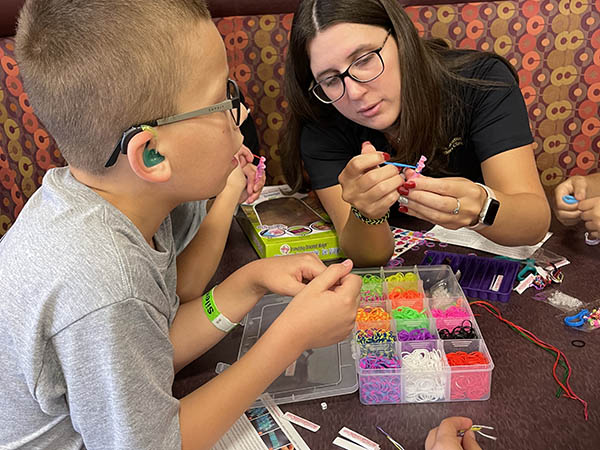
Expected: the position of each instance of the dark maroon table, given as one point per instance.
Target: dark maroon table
(522, 407)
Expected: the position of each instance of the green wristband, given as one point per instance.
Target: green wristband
(213, 313)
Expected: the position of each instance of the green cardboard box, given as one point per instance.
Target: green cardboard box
(278, 224)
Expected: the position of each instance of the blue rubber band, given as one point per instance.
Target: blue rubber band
(400, 165)
(569, 199)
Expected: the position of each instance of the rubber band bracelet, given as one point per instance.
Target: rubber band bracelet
(368, 220)
(214, 315)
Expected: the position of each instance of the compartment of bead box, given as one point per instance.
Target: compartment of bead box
(400, 355)
(403, 372)
(470, 369)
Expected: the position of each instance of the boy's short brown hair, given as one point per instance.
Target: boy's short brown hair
(94, 68)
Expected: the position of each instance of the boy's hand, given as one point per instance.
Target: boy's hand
(254, 185)
(570, 214)
(286, 275)
(590, 214)
(236, 184)
(445, 436)
(323, 313)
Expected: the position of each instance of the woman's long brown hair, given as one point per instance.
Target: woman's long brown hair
(431, 111)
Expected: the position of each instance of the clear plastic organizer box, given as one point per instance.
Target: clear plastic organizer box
(416, 339)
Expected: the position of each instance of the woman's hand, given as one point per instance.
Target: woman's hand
(570, 214)
(590, 214)
(366, 186)
(450, 202)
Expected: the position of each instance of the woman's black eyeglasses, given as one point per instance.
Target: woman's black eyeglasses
(363, 69)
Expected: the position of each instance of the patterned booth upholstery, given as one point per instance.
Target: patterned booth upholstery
(554, 45)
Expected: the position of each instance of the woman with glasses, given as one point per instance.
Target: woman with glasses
(364, 88)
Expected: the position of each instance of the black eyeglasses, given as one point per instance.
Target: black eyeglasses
(363, 69)
(232, 104)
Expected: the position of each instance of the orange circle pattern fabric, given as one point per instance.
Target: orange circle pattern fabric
(554, 45)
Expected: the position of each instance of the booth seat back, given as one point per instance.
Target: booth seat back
(554, 45)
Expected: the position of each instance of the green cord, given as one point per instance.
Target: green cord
(555, 354)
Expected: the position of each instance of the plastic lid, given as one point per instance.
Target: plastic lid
(318, 373)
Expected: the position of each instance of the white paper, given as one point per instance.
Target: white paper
(469, 238)
(245, 435)
(341, 442)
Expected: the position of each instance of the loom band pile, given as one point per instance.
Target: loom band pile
(380, 389)
(418, 334)
(371, 361)
(407, 280)
(461, 358)
(376, 342)
(452, 311)
(408, 313)
(373, 317)
(406, 297)
(469, 385)
(369, 279)
(371, 296)
(424, 376)
(409, 319)
(463, 331)
(419, 387)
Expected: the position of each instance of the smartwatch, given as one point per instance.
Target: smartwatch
(489, 211)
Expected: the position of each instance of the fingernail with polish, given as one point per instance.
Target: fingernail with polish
(403, 209)
(402, 190)
(402, 200)
(386, 156)
(409, 184)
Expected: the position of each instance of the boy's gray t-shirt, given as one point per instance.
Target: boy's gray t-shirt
(86, 305)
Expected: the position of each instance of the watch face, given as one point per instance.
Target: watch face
(492, 210)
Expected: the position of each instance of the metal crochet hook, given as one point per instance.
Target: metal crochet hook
(477, 429)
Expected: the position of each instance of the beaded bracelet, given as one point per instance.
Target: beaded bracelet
(368, 220)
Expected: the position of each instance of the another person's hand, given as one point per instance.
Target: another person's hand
(450, 202)
(590, 214)
(445, 437)
(366, 186)
(570, 214)
(323, 313)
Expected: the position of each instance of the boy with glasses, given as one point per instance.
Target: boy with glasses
(94, 323)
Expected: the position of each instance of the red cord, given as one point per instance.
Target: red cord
(566, 387)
